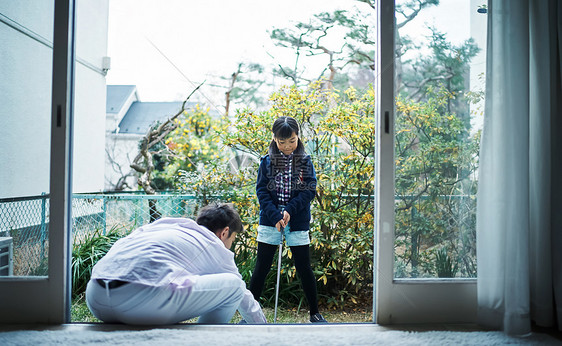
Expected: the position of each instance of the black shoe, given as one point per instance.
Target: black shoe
(317, 318)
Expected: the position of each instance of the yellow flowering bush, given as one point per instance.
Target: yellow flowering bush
(193, 147)
(338, 132)
(337, 128)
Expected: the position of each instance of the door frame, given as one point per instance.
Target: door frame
(46, 299)
(395, 301)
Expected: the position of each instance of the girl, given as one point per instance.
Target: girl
(285, 187)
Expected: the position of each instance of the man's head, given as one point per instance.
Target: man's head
(221, 219)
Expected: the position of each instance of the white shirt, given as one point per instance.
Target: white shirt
(172, 252)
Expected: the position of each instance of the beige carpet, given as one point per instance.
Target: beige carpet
(290, 335)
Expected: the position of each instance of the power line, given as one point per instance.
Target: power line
(183, 74)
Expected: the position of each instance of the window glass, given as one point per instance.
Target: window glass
(438, 118)
(25, 134)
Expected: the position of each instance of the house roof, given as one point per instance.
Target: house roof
(117, 95)
(142, 115)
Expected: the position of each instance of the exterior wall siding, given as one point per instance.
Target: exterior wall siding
(26, 30)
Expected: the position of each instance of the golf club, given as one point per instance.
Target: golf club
(278, 276)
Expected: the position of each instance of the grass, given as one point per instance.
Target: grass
(302, 316)
(81, 313)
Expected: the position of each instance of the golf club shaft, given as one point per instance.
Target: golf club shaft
(278, 277)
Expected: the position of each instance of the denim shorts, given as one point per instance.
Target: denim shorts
(270, 235)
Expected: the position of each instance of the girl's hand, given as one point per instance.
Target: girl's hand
(286, 218)
(280, 225)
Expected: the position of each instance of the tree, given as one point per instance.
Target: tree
(245, 86)
(432, 161)
(446, 66)
(341, 42)
(436, 156)
(196, 148)
(435, 83)
(406, 12)
(122, 170)
(344, 40)
(144, 161)
(354, 45)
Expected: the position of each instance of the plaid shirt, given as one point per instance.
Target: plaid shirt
(283, 180)
(301, 195)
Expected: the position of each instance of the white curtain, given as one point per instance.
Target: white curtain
(519, 214)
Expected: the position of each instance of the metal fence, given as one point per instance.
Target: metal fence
(101, 212)
(24, 221)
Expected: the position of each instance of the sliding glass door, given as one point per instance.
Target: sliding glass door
(430, 84)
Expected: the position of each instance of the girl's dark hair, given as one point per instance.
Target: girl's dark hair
(283, 128)
(219, 215)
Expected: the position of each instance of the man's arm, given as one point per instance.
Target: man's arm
(250, 309)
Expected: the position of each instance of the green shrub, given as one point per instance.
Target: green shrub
(445, 266)
(87, 250)
(338, 132)
(435, 186)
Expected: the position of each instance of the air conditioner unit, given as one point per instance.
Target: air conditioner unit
(6, 256)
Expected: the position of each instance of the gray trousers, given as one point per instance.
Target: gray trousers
(213, 298)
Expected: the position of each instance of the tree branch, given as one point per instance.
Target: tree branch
(143, 162)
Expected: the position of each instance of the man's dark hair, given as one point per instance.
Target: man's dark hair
(217, 216)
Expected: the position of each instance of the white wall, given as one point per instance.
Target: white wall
(25, 99)
(90, 91)
(121, 150)
(25, 96)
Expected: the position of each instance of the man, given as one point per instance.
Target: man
(172, 270)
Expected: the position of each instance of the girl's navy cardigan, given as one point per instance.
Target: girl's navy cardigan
(303, 190)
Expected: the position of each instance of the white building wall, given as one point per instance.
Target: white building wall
(89, 131)
(90, 96)
(121, 151)
(25, 96)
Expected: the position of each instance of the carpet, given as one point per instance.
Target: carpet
(290, 335)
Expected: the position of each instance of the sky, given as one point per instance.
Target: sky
(167, 47)
(451, 16)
